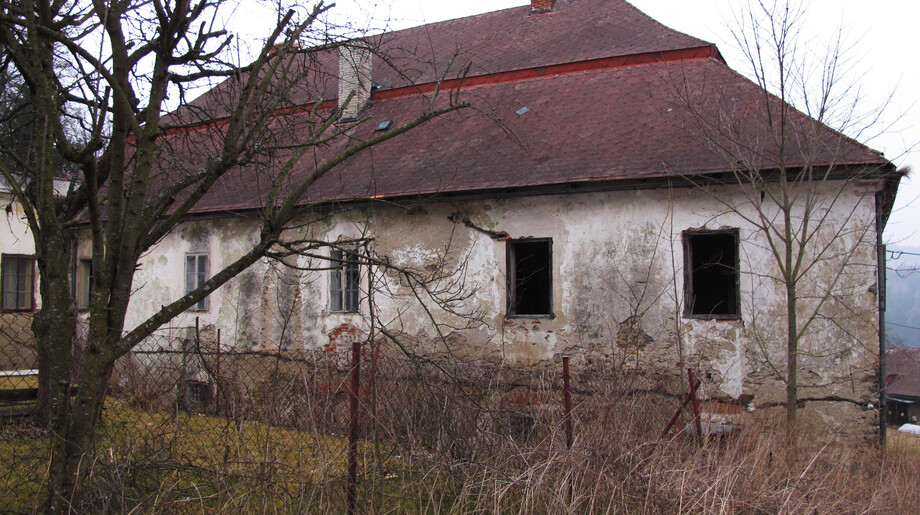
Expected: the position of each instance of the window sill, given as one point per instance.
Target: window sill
(716, 318)
(511, 316)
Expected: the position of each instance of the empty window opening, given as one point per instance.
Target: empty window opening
(711, 281)
(345, 280)
(18, 282)
(196, 274)
(530, 277)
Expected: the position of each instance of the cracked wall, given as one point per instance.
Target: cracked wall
(617, 290)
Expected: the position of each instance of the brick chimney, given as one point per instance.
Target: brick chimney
(354, 79)
(541, 6)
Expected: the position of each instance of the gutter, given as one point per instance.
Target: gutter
(686, 181)
(884, 203)
(880, 219)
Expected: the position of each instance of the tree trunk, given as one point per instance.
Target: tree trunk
(792, 367)
(53, 326)
(72, 449)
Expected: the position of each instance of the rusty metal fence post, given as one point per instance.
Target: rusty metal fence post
(217, 377)
(695, 404)
(567, 399)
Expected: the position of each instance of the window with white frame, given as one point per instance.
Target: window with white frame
(84, 284)
(196, 274)
(344, 281)
(18, 282)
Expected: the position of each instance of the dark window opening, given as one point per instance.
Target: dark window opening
(521, 425)
(197, 395)
(18, 282)
(711, 276)
(345, 282)
(530, 277)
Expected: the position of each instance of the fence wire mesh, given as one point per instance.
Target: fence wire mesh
(189, 425)
(186, 418)
(17, 347)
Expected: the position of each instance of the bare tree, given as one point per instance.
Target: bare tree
(814, 197)
(141, 173)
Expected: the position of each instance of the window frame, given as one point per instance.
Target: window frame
(203, 304)
(688, 311)
(511, 276)
(5, 261)
(342, 292)
(84, 284)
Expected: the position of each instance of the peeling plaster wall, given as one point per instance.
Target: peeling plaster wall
(617, 289)
(14, 230)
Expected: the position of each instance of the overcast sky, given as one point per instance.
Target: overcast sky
(881, 37)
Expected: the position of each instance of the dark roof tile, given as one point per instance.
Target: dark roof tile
(499, 41)
(903, 372)
(608, 124)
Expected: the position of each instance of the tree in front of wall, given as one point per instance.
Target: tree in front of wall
(796, 185)
(140, 172)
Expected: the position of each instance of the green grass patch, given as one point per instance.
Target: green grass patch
(23, 452)
(19, 382)
(166, 461)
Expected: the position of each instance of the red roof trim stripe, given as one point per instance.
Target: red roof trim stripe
(684, 54)
(219, 122)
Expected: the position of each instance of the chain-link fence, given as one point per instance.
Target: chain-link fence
(17, 346)
(190, 425)
(276, 424)
(18, 364)
(468, 410)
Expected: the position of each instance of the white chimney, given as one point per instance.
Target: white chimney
(354, 78)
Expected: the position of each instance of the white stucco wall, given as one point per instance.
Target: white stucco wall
(617, 287)
(14, 231)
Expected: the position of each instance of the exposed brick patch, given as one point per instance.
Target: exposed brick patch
(341, 338)
(541, 6)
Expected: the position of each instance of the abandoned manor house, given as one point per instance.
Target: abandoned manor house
(614, 192)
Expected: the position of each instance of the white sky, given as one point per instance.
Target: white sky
(881, 37)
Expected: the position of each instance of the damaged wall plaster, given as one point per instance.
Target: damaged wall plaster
(617, 291)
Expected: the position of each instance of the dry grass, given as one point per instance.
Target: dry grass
(903, 444)
(746, 475)
(454, 445)
(202, 465)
